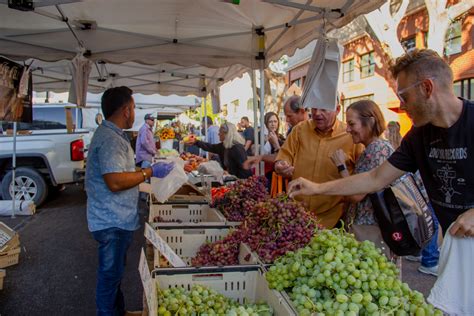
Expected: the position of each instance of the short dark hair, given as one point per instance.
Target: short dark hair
(367, 109)
(423, 63)
(114, 99)
(209, 120)
(245, 118)
(294, 103)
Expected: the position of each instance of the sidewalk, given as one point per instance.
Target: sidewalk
(57, 269)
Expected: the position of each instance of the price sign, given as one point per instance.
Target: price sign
(163, 247)
(149, 287)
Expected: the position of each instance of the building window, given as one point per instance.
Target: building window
(348, 71)
(297, 82)
(409, 44)
(348, 101)
(367, 65)
(453, 43)
(464, 88)
(235, 104)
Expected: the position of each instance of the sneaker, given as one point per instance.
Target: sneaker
(413, 258)
(430, 270)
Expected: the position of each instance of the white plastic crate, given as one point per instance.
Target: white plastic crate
(241, 283)
(187, 213)
(186, 241)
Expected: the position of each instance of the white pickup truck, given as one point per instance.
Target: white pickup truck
(46, 158)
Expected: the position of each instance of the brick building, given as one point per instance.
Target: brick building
(364, 71)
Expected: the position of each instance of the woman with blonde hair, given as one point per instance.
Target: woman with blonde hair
(231, 150)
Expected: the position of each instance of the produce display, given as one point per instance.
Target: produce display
(201, 300)
(337, 275)
(219, 192)
(241, 197)
(164, 152)
(166, 133)
(271, 229)
(192, 161)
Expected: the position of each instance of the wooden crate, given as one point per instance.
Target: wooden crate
(10, 257)
(9, 239)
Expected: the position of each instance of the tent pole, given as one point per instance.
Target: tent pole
(14, 169)
(255, 118)
(206, 139)
(262, 114)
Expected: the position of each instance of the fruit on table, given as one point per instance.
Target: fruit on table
(337, 275)
(271, 229)
(201, 300)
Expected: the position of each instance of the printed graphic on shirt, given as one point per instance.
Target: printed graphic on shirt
(447, 174)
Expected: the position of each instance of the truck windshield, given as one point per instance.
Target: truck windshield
(45, 118)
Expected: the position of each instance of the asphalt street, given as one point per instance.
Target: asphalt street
(57, 269)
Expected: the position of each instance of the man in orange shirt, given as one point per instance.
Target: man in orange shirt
(306, 153)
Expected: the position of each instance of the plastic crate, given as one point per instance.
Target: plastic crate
(241, 283)
(185, 241)
(10, 257)
(187, 213)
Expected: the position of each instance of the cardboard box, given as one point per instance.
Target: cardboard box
(10, 257)
(9, 239)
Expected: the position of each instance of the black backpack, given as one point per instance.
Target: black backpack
(404, 216)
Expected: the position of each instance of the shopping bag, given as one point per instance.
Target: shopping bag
(452, 293)
(212, 168)
(404, 216)
(164, 188)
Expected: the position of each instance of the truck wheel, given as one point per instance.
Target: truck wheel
(29, 185)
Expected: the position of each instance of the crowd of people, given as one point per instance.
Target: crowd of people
(332, 165)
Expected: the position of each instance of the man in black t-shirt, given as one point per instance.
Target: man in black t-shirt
(248, 135)
(440, 145)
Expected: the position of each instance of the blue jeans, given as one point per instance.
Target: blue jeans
(113, 246)
(430, 254)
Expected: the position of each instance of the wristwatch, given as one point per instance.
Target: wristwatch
(144, 174)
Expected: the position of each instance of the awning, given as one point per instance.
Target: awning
(164, 34)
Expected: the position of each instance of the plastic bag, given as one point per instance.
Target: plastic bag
(452, 292)
(23, 208)
(163, 189)
(212, 168)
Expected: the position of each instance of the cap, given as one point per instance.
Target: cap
(149, 117)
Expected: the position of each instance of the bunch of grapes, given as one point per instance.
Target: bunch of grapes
(278, 226)
(201, 300)
(159, 219)
(220, 253)
(241, 197)
(337, 275)
(271, 229)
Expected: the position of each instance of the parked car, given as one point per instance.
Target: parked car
(47, 155)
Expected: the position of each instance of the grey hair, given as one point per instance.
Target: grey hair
(232, 136)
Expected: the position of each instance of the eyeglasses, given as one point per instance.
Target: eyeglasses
(404, 90)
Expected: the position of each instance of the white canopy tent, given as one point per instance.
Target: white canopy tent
(224, 38)
(153, 37)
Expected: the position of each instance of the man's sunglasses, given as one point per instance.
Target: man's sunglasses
(404, 90)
